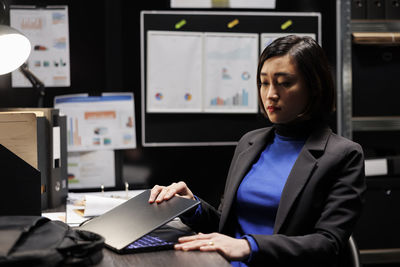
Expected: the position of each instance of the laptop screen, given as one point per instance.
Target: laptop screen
(136, 218)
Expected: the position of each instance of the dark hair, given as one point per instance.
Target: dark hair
(313, 65)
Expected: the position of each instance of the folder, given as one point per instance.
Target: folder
(51, 153)
(18, 133)
(392, 9)
(20, 183)
(375, 9)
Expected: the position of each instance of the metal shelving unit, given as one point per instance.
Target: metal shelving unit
(362, 32)
(377, 32)
(344, 68)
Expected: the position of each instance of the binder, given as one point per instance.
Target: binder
(375, 9)
(51, 153)
(58, 175)
(392, 9)
(358, 9)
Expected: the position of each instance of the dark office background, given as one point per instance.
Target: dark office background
(105, 57)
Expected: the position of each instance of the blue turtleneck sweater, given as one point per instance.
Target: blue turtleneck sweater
(258, 195)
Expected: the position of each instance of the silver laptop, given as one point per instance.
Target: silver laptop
(134, 225)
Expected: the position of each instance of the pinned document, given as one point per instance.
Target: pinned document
(47, 30)
(99, 122)
(91, 169)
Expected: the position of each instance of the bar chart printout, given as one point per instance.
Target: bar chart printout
(230, 64)
(73, 132)
(236, 100)
(98, 122)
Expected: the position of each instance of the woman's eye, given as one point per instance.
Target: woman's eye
(284, 84)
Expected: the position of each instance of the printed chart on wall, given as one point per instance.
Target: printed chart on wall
(230, 72)
(47, 30)
(98, 122)
(201, 72)
(174, 77)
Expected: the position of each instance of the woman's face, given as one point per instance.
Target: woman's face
(283, 91)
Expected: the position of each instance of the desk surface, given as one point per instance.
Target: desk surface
(164, 258)
(161, 258)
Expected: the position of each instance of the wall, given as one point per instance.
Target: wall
(105, 56)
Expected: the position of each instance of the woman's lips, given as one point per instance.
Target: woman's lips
(273, 108)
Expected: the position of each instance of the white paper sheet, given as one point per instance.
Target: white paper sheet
(223, 3)
(47, 30)
(76, 203)
(174, 71)
(91, 169)
(230, 72)
(99, 122)
(97, 205)
(374, 167)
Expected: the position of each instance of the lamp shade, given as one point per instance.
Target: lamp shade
(14, 49)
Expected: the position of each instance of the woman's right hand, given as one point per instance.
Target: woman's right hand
(160, 193)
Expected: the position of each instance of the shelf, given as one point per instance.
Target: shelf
(375, 26)
(376, 38)
(379, 256)
(376, 123)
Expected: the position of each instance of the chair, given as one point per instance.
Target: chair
(350, 256)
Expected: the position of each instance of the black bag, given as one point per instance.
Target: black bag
(38, 241)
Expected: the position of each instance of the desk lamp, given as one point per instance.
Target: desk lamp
(14, 49)
(36, 83)
(14, 46)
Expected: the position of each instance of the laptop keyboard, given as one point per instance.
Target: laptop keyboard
(149, 242)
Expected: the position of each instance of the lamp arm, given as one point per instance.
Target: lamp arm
(35, 81)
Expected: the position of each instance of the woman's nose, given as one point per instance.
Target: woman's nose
(272, 94)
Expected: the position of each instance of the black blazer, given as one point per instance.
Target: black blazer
(320, 204)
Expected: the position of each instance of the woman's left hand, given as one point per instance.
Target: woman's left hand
(231, 248)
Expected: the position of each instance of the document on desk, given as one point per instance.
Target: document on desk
(97, 205)
(18, 133)
(81, 206)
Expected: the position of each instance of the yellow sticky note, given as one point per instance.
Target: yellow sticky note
(180, 24)
(287, 24)
(233, 23)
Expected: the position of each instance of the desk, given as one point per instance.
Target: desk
(164, 258)
(159, 258)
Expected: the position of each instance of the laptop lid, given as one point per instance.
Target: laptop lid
(136, 218)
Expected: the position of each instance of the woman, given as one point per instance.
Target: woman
(294, 191)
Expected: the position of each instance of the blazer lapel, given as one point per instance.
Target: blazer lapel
(242, 165)
(302, 170)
